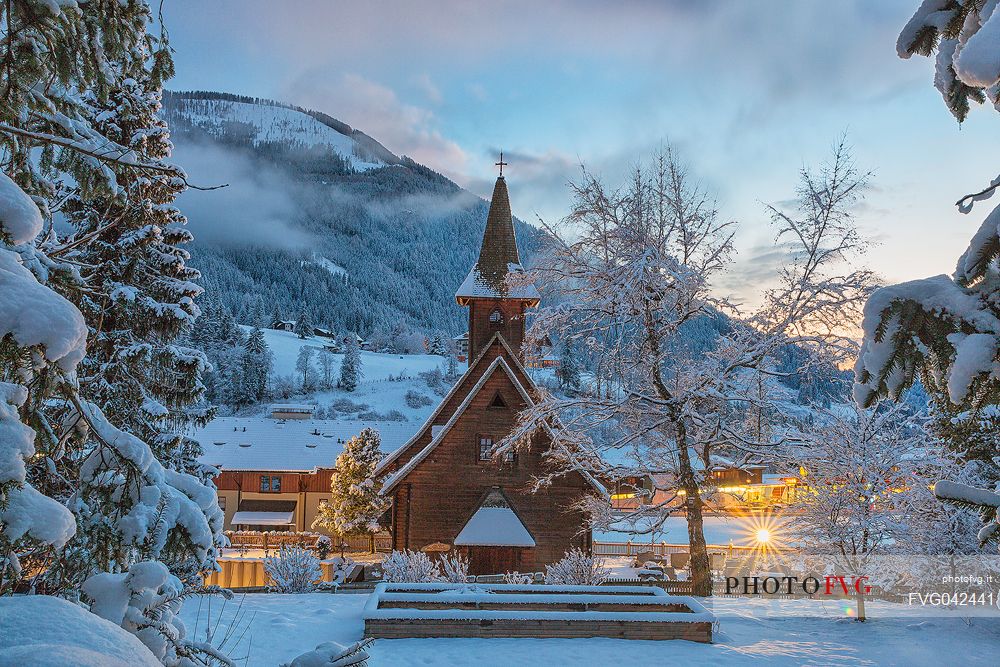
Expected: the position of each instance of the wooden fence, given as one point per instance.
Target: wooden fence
(249, 573)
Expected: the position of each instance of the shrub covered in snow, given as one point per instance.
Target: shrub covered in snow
(410, 567)
(145, 601)
(517, 578)
(455, 568)
(415, 399)
(293, 570)
(577, 569)
(323, 546)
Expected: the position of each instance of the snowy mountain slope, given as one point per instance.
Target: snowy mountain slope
(321, 218)
(269, 122)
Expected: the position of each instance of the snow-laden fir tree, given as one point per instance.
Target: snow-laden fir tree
(303, 326)
(355, 503)
(77, 493)
(257, 364)
(634, 269)
(946, 329)
(350, 367)
(438, 345)
(569, 372)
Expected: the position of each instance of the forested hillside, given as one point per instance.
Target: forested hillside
(380, 242)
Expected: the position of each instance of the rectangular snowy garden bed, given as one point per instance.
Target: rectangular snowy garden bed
(396, 611)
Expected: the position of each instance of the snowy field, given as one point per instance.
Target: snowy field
(376, 389)
(751, 632)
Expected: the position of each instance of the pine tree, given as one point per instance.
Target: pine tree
(303, 326)
(355, 503)
(350, 367)
(438, 345)
(275, 316)
(81, 136)
(257, 364)
(943, 329)
(569, 370)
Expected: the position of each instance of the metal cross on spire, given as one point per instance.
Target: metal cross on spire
(501, 163)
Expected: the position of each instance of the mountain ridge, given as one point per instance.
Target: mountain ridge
(403, 234)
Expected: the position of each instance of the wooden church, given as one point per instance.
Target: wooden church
(445, 486)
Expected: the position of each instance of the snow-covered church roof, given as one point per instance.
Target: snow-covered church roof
(495, 274)
(295, 445)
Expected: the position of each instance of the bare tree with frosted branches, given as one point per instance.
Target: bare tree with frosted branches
(635, 266)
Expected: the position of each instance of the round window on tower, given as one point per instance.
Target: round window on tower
(496, 317)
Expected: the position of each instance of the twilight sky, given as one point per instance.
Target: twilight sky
(749, 91)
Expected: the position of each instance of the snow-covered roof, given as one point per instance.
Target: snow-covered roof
(494, 527)
(774, 479)
(300, 445)
(476, 285)
(293, 407)
(264, 519)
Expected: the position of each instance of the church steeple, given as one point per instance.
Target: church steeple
(496, 302)
(498, 252)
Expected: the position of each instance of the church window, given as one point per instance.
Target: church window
(496, 317)
(485, 448)
(498, 401)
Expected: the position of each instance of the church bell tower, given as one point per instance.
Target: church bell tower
(497, 299)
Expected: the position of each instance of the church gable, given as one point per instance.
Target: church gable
(497, 348)
(477, 422)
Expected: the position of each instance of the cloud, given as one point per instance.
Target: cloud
(257, 207)
(426, 85)
(405, 129)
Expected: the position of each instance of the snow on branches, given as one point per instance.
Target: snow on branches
(355, 503)
(965, 34)
(577, 569)
(146, 601)
(410, 567)
(293, 570)
(635, 270)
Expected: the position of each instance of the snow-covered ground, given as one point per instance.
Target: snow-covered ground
(718, 530)
(379, 389)
(752, 631)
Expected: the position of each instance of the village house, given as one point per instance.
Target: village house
(275, 470)
(447, 488)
